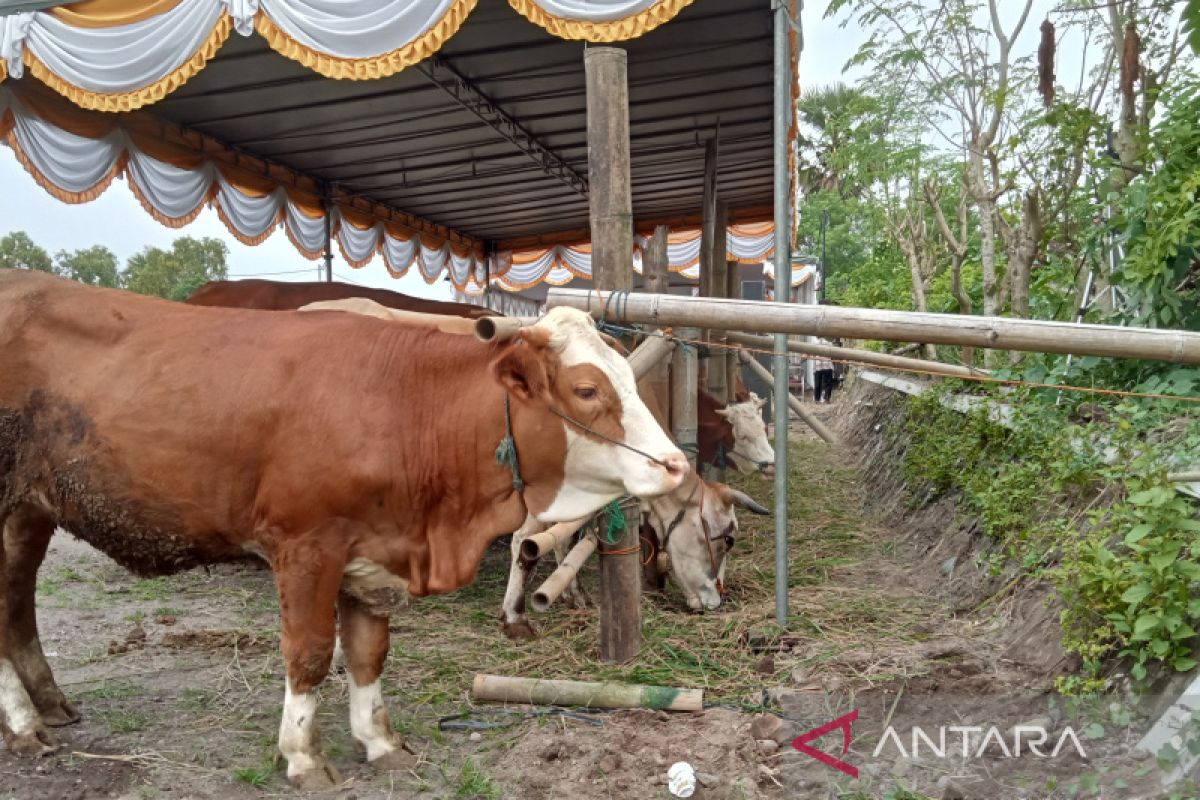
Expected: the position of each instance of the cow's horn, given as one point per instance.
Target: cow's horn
(747, 502)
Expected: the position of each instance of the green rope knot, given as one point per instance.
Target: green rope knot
(614, 523)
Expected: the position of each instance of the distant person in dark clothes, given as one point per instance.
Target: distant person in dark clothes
(823, 377)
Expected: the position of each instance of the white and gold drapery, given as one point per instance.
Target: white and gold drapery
(76, 158)
(119, 55)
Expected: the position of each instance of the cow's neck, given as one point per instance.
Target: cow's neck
(456, 496)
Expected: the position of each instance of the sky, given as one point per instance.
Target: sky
(117, 221)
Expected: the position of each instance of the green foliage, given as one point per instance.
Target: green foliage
(1191, 23)
(17, 251)
(1161, 216)
(174, 274)
(95, 266)
(1085, 505)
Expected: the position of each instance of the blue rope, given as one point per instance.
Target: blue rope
(506, 453)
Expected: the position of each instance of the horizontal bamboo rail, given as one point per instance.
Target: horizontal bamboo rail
(537, 545)
(809, 419)
(860, 356)
(552, 588)
(369, 308)
(1004, 333)
(585, 694)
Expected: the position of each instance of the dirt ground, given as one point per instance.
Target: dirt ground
(179, 679)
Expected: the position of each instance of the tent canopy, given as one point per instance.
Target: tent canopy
(455, 137)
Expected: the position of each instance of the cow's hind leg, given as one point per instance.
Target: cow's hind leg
(513, 620)
(27, 534)
(23, 729)
(365, 642)
(308, 579)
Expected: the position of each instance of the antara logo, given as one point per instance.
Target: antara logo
(1025, 738)
(1034, 738)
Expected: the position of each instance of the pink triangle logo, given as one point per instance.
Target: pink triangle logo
(843, 723)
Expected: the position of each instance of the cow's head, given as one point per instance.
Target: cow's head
(751, 450)
(697, 527)
(583, 435)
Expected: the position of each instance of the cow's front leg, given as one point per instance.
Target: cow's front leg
(365, 643)
(512, 614)
(308, 579)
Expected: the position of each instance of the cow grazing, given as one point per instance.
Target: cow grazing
(357, 457)
(286, 296)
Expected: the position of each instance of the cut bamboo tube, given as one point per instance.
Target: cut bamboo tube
(801, 412)
(499, 329)
(1002, 333)
(360, 305)
(860, 356)
(648, 355)
(552, 588)
(1184, 477)
(537, 545)
(584, 694)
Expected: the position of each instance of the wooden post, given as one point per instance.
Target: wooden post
(611, 212)
(1001, 333)
(656, 280)
(684, 394)
(708, 229)
(733, 366)
(718, 368)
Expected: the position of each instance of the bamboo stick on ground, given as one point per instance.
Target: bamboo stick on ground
(505, 689)
(553, 587)
(537, 545)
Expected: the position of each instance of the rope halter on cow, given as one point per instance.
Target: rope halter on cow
(506, 453)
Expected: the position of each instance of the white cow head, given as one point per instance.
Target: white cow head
(751, 450)
(697, 527)
(584, 435)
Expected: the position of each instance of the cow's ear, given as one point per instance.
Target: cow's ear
(759, 402)
(521, 370)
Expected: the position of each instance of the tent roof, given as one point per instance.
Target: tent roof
(407, 142)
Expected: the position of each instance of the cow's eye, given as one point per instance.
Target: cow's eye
(586, 392)
(729, 540)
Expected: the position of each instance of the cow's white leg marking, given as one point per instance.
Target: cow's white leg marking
(23, 728)
(516, 623)
(298, 733)
(369, 720)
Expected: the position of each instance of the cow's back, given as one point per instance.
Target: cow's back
(289, 296)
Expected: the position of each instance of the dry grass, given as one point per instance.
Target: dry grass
(443, 641)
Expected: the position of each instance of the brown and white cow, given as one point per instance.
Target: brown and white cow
(288, 296)
(355, 456)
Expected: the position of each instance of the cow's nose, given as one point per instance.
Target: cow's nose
(676, 464)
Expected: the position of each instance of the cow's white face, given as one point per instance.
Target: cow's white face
(595, 387)
(754, 452)
(699, 543)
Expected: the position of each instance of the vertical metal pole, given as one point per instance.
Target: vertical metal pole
(328, 240)
(783, 286)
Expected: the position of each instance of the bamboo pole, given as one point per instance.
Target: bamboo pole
(861, 356)
(369, 308)
(610, 215)
(733, 288)
(809, 419)
(584, 694)
(656, 280)
(1184, 477)
(649, 354)
(685, 378)
(718, 284)
(1004, 333)
(498, 329)
(552, 588)
(537, 545)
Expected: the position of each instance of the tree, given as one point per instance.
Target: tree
(95, 266)
(174, 274)
(17, 251)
